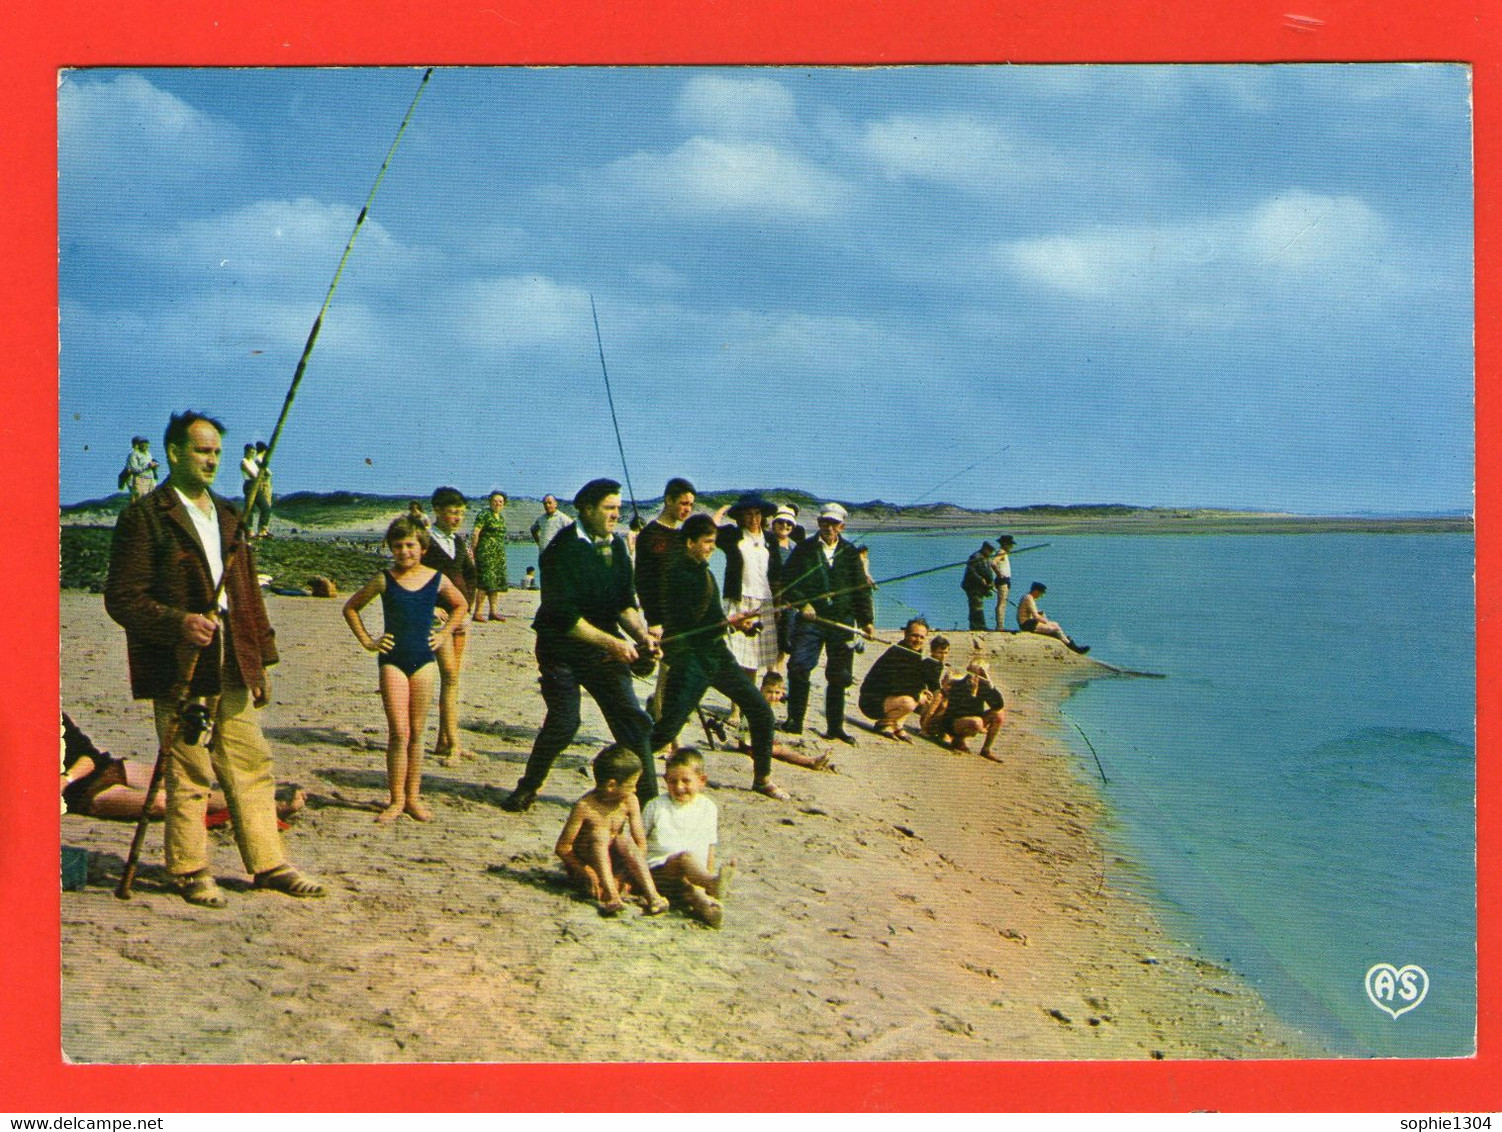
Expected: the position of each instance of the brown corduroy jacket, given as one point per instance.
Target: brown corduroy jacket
(159, 574)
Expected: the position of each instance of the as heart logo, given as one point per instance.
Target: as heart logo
(1396, 990)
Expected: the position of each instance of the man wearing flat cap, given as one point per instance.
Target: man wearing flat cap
(825, 579)
(978, 583)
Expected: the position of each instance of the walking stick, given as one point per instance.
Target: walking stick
(181, 692)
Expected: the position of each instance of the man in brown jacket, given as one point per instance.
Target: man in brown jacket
(169, 550)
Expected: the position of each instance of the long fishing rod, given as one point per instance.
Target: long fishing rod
(865, 536)
(610, 398)
(835, 593)
(188, 665)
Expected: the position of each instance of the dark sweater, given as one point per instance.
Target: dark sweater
(656, 544)
(577, 582)
(897, 672)
(838, 591)
(693, 618)
(963, 702)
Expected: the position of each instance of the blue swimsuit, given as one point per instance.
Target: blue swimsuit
(409, 619)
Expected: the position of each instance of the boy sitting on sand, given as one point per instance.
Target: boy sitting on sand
(604, 832)
(682, 830)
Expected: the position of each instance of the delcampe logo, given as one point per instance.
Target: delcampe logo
(1397, 990)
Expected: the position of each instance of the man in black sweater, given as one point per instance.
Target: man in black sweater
(825, 580)
(693, 642)
(899, 683)
(588, 597)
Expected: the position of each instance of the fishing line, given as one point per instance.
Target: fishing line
(609, 397)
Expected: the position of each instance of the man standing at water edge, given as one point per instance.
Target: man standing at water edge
(167, 557)
(978, 582)
(588, 597)
(824, 578)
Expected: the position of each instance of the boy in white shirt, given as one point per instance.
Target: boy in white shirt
(682, 831)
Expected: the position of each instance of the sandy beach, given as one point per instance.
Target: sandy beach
(916, 903)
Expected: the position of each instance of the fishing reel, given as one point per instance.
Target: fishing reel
(644, 665)
(195, 724)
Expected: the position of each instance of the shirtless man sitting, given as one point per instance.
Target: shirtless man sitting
(1031, 619)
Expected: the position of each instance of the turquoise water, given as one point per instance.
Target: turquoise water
(1301, 789)
(1302, 786)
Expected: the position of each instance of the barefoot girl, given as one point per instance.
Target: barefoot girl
(406, 661)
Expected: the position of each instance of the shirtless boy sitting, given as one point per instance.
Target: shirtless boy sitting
(604, 833)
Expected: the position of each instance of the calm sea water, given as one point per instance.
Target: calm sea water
(1301, 789)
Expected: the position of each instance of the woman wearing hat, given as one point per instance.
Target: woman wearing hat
(784, 538)
(753, 575)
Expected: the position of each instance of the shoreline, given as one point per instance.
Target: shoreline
(917, 904)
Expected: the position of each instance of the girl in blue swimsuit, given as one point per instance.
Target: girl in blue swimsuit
(409, 593)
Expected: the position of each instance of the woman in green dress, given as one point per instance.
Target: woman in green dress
(488, 544)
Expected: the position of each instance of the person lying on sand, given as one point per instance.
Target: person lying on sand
(974, 705)
(95, 784)
(774, 691)
(1031, 619)
(682, 831)
(604, 833)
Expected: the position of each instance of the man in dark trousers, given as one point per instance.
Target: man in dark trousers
(693, 642)
(825, 580)
(657, 543)
(169, 552)
(588, 598)
(978, 583)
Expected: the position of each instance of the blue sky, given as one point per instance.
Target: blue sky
(1241, 286)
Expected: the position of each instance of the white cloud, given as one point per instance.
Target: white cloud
(126, 128)
(707, 175)
(659, 277)
(274, 240)
(722, 106)
(1296, 243)
(506, 313)
(959, 151)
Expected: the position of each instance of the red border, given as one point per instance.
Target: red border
(142, 32)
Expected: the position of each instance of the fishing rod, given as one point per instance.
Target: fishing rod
(610, 398)
(866, 535)
(192, 719)
(725, 623)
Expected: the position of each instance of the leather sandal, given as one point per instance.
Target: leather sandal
(286, 879)
(200, 888)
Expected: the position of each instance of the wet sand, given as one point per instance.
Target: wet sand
(915, 904)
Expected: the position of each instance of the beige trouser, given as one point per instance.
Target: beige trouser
(240, 758)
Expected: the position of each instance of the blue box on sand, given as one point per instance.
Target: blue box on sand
(75, 868)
